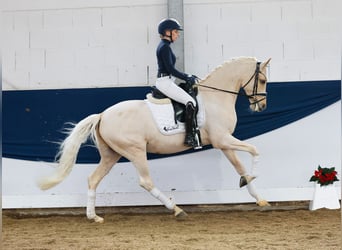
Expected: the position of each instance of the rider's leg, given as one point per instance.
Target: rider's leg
(190, 133)
(171, 89)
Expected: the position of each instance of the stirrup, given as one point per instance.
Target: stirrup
(192, 141)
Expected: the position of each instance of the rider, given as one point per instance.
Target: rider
(169, 32)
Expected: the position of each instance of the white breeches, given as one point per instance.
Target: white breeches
(169, 88)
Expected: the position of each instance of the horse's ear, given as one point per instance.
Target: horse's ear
(264, 64)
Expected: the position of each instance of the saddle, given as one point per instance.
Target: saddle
(175, 111)
(179, 108)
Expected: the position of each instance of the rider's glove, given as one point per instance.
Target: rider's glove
(192, 79)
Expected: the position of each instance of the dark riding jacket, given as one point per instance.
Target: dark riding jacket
(166, 61)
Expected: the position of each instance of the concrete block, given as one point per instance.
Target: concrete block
(21, 21)
(237, 13)
(100, 37)
(284, 71)
(199, 34)
(298, 50)
(150, 14)
(22, 60)
(60, 59)
(91, 58)
(37, 59)
(327, 10)
(7, 21)
(36, 20)
(58, 19)
(320, 70)
(280, 31)
(73, 38)
(45, 39)
(15, 80)
(16, 39)
(223, 33)
(325, 49)
(113, 17)
(87, 18)
(266, 12)
(295, 11)
(143, 55)
(264, 50)
(8, 59)
(201, 14)
(52, 78)
(131, 35)
(116, 55)
(319, 29)
(132, 74)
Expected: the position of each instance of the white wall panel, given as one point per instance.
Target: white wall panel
(266, 12)
(87, 18)
(296, 11)
(291, 32)
(298, 50)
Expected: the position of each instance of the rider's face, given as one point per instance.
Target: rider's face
(175, 34)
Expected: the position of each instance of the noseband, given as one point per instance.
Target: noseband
(255, 86)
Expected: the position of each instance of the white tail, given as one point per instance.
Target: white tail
(69, 149)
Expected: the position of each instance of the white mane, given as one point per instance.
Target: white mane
(230, 62)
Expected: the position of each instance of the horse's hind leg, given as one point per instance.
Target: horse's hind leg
(145, 181)
(108, 159)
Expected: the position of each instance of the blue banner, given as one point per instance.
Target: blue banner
(33, 120)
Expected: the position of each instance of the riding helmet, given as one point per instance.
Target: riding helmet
(168, 24)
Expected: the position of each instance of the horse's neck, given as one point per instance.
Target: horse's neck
(227, 79)
(222, 81)
(218, 98)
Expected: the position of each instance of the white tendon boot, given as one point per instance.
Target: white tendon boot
(170, 204)
(91, 215)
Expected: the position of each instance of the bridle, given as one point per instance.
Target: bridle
(255, 86)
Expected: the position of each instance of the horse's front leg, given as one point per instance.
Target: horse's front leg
(245, 178)
(229, 144)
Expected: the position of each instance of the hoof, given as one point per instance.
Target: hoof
(179, 213)
(263, 203)
(245, 179)
(96, 219)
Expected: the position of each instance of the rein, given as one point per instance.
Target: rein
(255, 86)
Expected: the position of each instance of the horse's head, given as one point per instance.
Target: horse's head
(255, 87)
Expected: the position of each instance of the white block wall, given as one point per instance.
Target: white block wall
(72, 44)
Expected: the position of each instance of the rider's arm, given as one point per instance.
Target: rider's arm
(166, 56)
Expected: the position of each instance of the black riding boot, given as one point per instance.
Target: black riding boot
(190, 130)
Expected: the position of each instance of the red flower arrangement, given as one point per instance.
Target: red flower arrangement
(324, 176)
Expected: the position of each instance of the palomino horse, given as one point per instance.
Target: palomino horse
(128, 129)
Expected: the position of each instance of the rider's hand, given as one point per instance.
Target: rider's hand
(192, 79)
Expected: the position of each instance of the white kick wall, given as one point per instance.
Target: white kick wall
(71, 44)
(79, 44)
(288, 158)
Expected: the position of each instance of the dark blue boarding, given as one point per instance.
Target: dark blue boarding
(33, 120)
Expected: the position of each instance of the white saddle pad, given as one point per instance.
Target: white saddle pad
(163, 115)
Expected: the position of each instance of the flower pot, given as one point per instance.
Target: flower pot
(325, 197)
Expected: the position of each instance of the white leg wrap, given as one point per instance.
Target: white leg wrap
(254, 170)
(252, 191)
(160, 196)
(91, 204)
